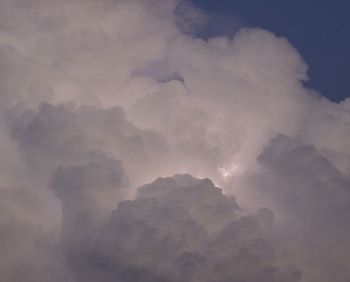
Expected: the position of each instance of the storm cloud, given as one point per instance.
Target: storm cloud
(133, 149)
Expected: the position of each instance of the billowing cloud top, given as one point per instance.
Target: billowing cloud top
(100, 97)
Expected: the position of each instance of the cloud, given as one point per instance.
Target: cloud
(98, 98)
(180, 229)
(88, 192)
(312, 196)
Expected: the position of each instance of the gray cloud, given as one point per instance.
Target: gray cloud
(313, 197)
(168, 235)
(88, 192)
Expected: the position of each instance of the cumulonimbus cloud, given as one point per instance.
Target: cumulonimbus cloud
(98, 98)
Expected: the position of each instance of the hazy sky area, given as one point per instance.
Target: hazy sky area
(162, 141)
(319, 31)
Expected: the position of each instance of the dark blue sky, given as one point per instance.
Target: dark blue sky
(320, 30)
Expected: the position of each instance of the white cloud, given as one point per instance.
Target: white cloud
(101, 97)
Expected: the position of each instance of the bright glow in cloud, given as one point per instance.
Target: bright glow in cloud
(231, 171)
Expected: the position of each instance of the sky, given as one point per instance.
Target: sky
(319, 31)
(159, 141)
